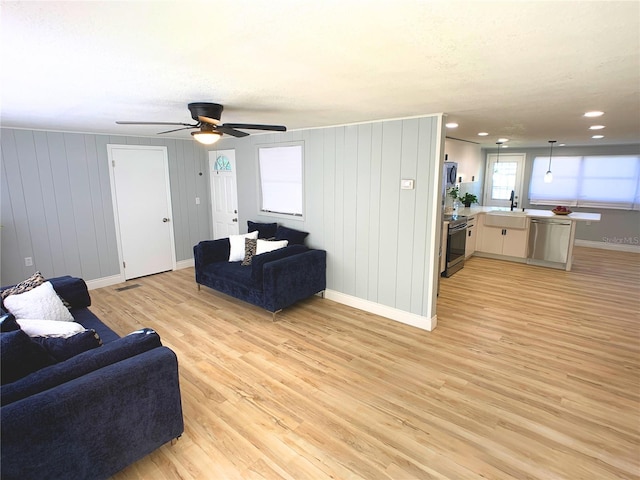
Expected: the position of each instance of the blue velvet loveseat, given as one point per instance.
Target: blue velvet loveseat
(273, 280)
(91, 415)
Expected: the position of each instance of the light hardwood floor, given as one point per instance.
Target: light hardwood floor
(531, 373)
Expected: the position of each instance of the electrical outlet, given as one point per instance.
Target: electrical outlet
(197, 200)
(28, 262)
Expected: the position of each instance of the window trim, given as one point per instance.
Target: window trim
(269, 213)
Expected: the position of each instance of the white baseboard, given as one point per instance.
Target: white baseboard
(104, 281)
(113, 279)
(401, 316)
(185, 264)
(620, 247)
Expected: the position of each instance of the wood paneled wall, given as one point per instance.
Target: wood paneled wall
(377, 236)
(56, 202)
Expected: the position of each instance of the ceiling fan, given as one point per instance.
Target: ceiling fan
(210, 129)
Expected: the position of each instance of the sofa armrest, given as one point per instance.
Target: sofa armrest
(73, 290)
(289, 279)
(94, 425)
(210, 251)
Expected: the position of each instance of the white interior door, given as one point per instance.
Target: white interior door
(224, 197)
(503, 175)
(142, 208)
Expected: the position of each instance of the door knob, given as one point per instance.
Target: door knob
(235, 211)
(235, 220)
(165, 220)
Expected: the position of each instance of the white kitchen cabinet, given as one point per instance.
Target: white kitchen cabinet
(468, 156)
(470, 246)
(509, 242)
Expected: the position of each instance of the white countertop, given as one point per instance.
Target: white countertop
(576, 216)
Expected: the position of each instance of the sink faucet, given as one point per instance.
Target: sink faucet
(513, 196)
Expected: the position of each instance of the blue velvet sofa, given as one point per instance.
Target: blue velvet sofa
(273, 281)
(97, 412)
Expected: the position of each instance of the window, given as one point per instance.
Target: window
(281, 179)
(610, 181)
(504, 180)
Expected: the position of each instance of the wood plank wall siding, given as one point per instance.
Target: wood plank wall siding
(381, 241)
(57, 208)
(532, 373)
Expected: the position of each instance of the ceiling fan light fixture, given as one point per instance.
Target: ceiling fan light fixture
(206, 138)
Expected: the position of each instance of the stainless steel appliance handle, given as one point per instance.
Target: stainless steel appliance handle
(550, 222)
(457, 228)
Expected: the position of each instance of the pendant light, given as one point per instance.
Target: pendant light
(548, 177)
(495, 165)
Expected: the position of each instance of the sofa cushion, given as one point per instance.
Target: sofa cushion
(250, 245)
(61, 349)
(294, 237)
(19, 356)
(79, 365)
(265, 246)
(265, 230)
(42, 302)
(236, 253)
(30, 283)
(49, 328)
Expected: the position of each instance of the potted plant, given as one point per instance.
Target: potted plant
(468, 199)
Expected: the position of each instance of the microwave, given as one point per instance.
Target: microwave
(450, 174)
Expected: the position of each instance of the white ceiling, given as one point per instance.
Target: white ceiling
(525, 70)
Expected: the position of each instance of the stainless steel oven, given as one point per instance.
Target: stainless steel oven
(456, 244)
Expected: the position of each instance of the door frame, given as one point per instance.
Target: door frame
(114, 199)
(488, 177)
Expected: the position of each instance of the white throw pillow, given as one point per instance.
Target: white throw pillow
(236, 254)
(49, 328)
(265, 246)
(41, 302)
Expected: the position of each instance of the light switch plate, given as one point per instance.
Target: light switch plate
(406, 184)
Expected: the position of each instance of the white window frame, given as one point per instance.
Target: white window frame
(293, 149)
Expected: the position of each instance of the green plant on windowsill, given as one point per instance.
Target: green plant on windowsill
(453, 192)
(468, 199)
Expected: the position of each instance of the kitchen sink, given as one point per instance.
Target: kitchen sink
(506, 219)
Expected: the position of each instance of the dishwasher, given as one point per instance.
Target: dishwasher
(549, 240)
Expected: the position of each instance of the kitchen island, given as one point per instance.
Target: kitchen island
(519, 235)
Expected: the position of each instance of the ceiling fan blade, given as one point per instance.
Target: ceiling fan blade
(120, 122)
(176, 130)
(230, 131)
(210, 120)
(253, 126)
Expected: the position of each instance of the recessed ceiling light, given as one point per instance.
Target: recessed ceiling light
(451, 125)
(503, 140)
(483, 134)
(594, 113)
(597, 136)
(596, 127)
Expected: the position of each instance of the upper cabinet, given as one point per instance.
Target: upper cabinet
(468, 156)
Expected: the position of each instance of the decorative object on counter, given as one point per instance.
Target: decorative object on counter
(560, 210)
(468, 199)
(548, 177)
(453, 193)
